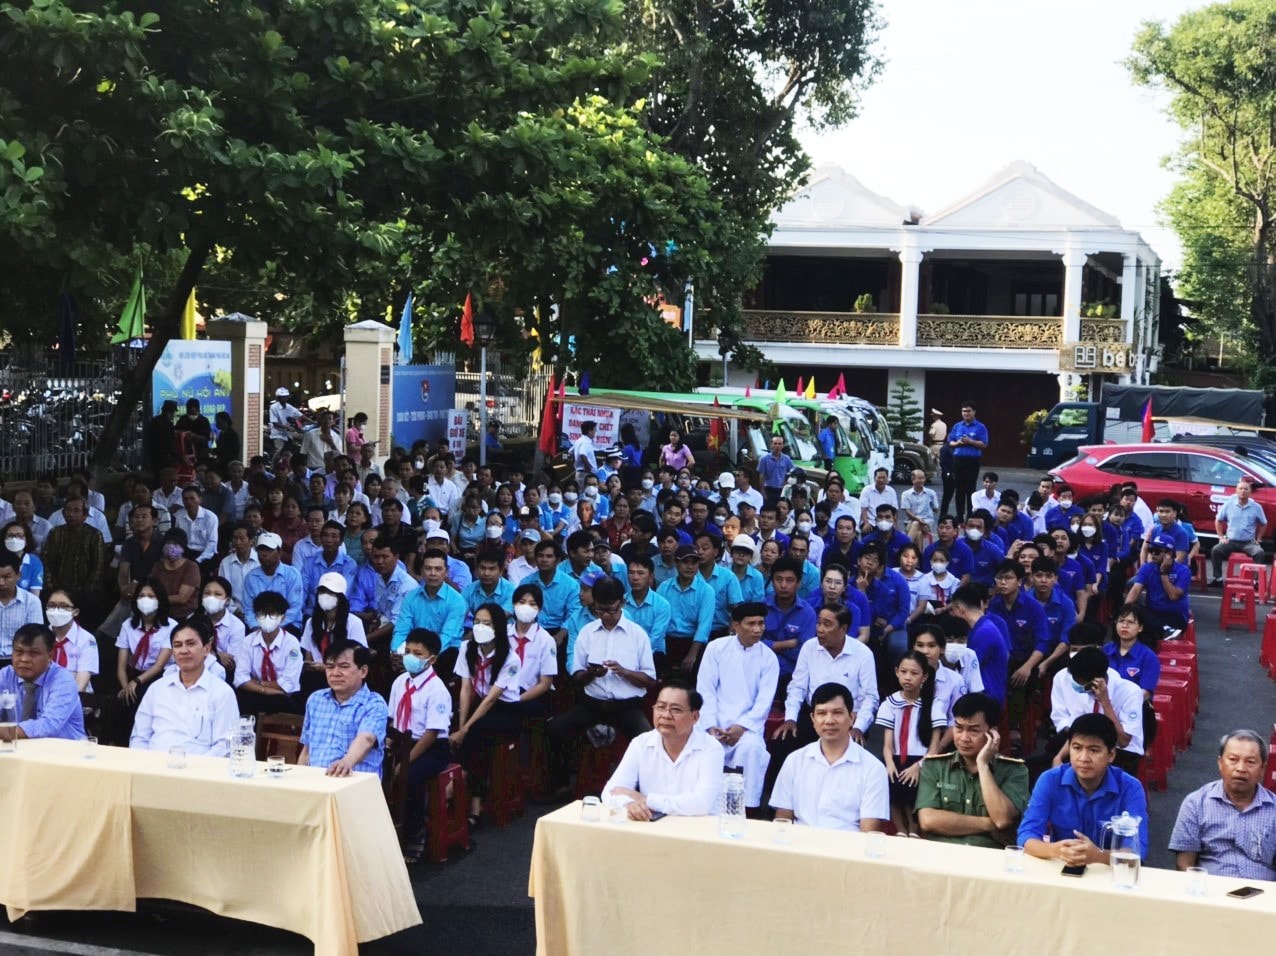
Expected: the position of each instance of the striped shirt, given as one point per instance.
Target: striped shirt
(1228, 841)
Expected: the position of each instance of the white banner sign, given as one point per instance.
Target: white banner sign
(457, 420)
(608, 420)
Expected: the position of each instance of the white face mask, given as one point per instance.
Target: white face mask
(326, 602)
(719, 520)
(214, 605)
(431, 524)
(591, 491)
(804, 526)
(484, 633)
(526, 613)
(147, 605)
(420, 463)
(952, 653)
(1075, 526)
(555, 498)
(570, 497)
(1088, 531)
(939, 567)
(16, 545)
(885, 525)
(494, 531)
(58, 616)
(647, 484)
(268, 623)
(974, 534)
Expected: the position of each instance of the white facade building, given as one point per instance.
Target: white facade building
(1006, 297)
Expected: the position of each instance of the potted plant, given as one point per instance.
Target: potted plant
(863, 303)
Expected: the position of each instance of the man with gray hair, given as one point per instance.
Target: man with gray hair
(1229, 826)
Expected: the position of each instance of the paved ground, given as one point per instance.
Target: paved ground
(477, 904)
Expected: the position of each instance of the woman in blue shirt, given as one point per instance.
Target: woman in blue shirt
(1133, 653)
(18, 541)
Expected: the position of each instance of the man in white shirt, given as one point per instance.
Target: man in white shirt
(830, 658)
(187, 707)
(879, 493)
(833, 783)
(743, 492)
(584, 454)
(200, 526)
(236, 565)
(674, 769)
(1090, 686)
(282, 418)
(737, 680)
(441, 489)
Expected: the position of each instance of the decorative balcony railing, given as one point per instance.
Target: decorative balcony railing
(1103, 330)
(989, 331)
(825, 328)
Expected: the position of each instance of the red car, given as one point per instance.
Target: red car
(1200, 477)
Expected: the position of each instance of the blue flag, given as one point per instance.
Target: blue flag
(405, 333)
(584, 383)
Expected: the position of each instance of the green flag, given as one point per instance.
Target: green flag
(133, 318)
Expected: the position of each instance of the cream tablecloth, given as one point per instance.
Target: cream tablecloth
(675, 886)
(311, 854)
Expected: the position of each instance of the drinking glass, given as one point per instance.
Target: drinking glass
(176, 758)
(1014, 859)
(1196, 881)
(875, 844)
(275, 767)
(782, 832)
(89, 750)
(591, 810)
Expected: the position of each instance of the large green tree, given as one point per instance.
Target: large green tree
(1219, 65)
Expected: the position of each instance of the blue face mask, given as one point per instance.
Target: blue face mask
(1079, 688)
(413, 664)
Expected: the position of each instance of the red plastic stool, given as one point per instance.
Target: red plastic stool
(1257, 573)
(506, 798)
(1234, 562)
(448, 826)
(536, 773)
(1181, 709)
(597, 764)
(775, 719)
(1169, 672)
(1189, 632)
(1239, 606)
(1267, 650)
(1201, 571)
(1157, 761)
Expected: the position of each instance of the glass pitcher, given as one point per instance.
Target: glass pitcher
(1121, 840)
(8, 722)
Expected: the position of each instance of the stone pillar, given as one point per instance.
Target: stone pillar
(1073, 262)
(248, 374)
(1131, 294)
(910, 258)
(369, 358)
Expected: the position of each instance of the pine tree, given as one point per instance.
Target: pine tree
(902, 411)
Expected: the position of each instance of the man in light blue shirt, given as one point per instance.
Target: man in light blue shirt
(1240, 524)
(488, 586)
(331, 556)
(46, 697)
(345, 723)
(645, 607)
(725, 585)
(774, 470)
(380, 588)
(434, 606)
(273, 575)
(690, 605)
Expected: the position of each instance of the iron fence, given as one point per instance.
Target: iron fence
(52, 413)
(516, 402)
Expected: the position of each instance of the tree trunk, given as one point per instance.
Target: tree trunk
(134, 386)
(1263, 299)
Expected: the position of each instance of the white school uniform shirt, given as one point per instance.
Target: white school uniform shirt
(40, 529)
(737, 683)
(484, 680)
(815, 554)
(931, 590)
(914, 586)
(971, 675)
(518, 569)
(1066, 705)
(234, 570)
(130, 637)
(686, 787)
(285, 654)
(431, 704)
(231, 634)
(354, 632)
(891, 715)
(540, 657)
(199, 718)
(834, 796)
(628, 645)
(201, 532)
(949, 685)
(81, 650)
(238, 499)
(168, 500)
(981, 500)
(853, 667)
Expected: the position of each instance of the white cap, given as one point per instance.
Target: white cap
(281, 392)
(726, 480)
(334, 582)
(268, 539)
(744, 543)
(438, 534)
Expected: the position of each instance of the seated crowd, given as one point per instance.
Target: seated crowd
(423, 602)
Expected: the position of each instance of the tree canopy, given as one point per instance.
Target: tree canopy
(1219, 65)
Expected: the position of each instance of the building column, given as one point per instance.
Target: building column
(247, 372)
(910, 258)
(1073, 263)
(369, 357)
(1131, 294)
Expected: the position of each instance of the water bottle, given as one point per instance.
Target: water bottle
(243, 749)
(8, 722)
(731, 810)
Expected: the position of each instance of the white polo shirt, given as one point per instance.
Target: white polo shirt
(484, 680)
(80, 649)
(628, 645)
(1066, 705)
(431, 704)
(354, 632)
(285, 654)
(130, 640)
(540, 656)
(737, 683)
(835, 796)
(231, 634)
(854, 668)
(199, 718)
(201, 532)
(686, 787)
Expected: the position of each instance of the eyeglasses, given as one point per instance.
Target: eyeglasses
(61, 607)
(607, 608)
(673, 710)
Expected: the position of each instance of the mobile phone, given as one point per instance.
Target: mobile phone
(1073, 870)
(1245, 892)
(657, 815)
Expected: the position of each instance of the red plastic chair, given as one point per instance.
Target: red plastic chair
(1267, 650)
(506, 799)
(1239, 606)
(597, 764)
(1180, 695)
(1185, 674)
(448, 825)
(1201, 571)
(1155, 769)
(1234, 562)
(1258, 574)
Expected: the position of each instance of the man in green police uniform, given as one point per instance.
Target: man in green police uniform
(973, 796)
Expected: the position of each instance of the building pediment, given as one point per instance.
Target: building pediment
(1020, 197)
(834, 199)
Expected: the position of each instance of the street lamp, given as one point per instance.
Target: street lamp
(484, 332)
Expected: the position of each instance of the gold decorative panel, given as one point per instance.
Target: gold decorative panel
(989, 331)
(829, 328)
(1102, 330)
